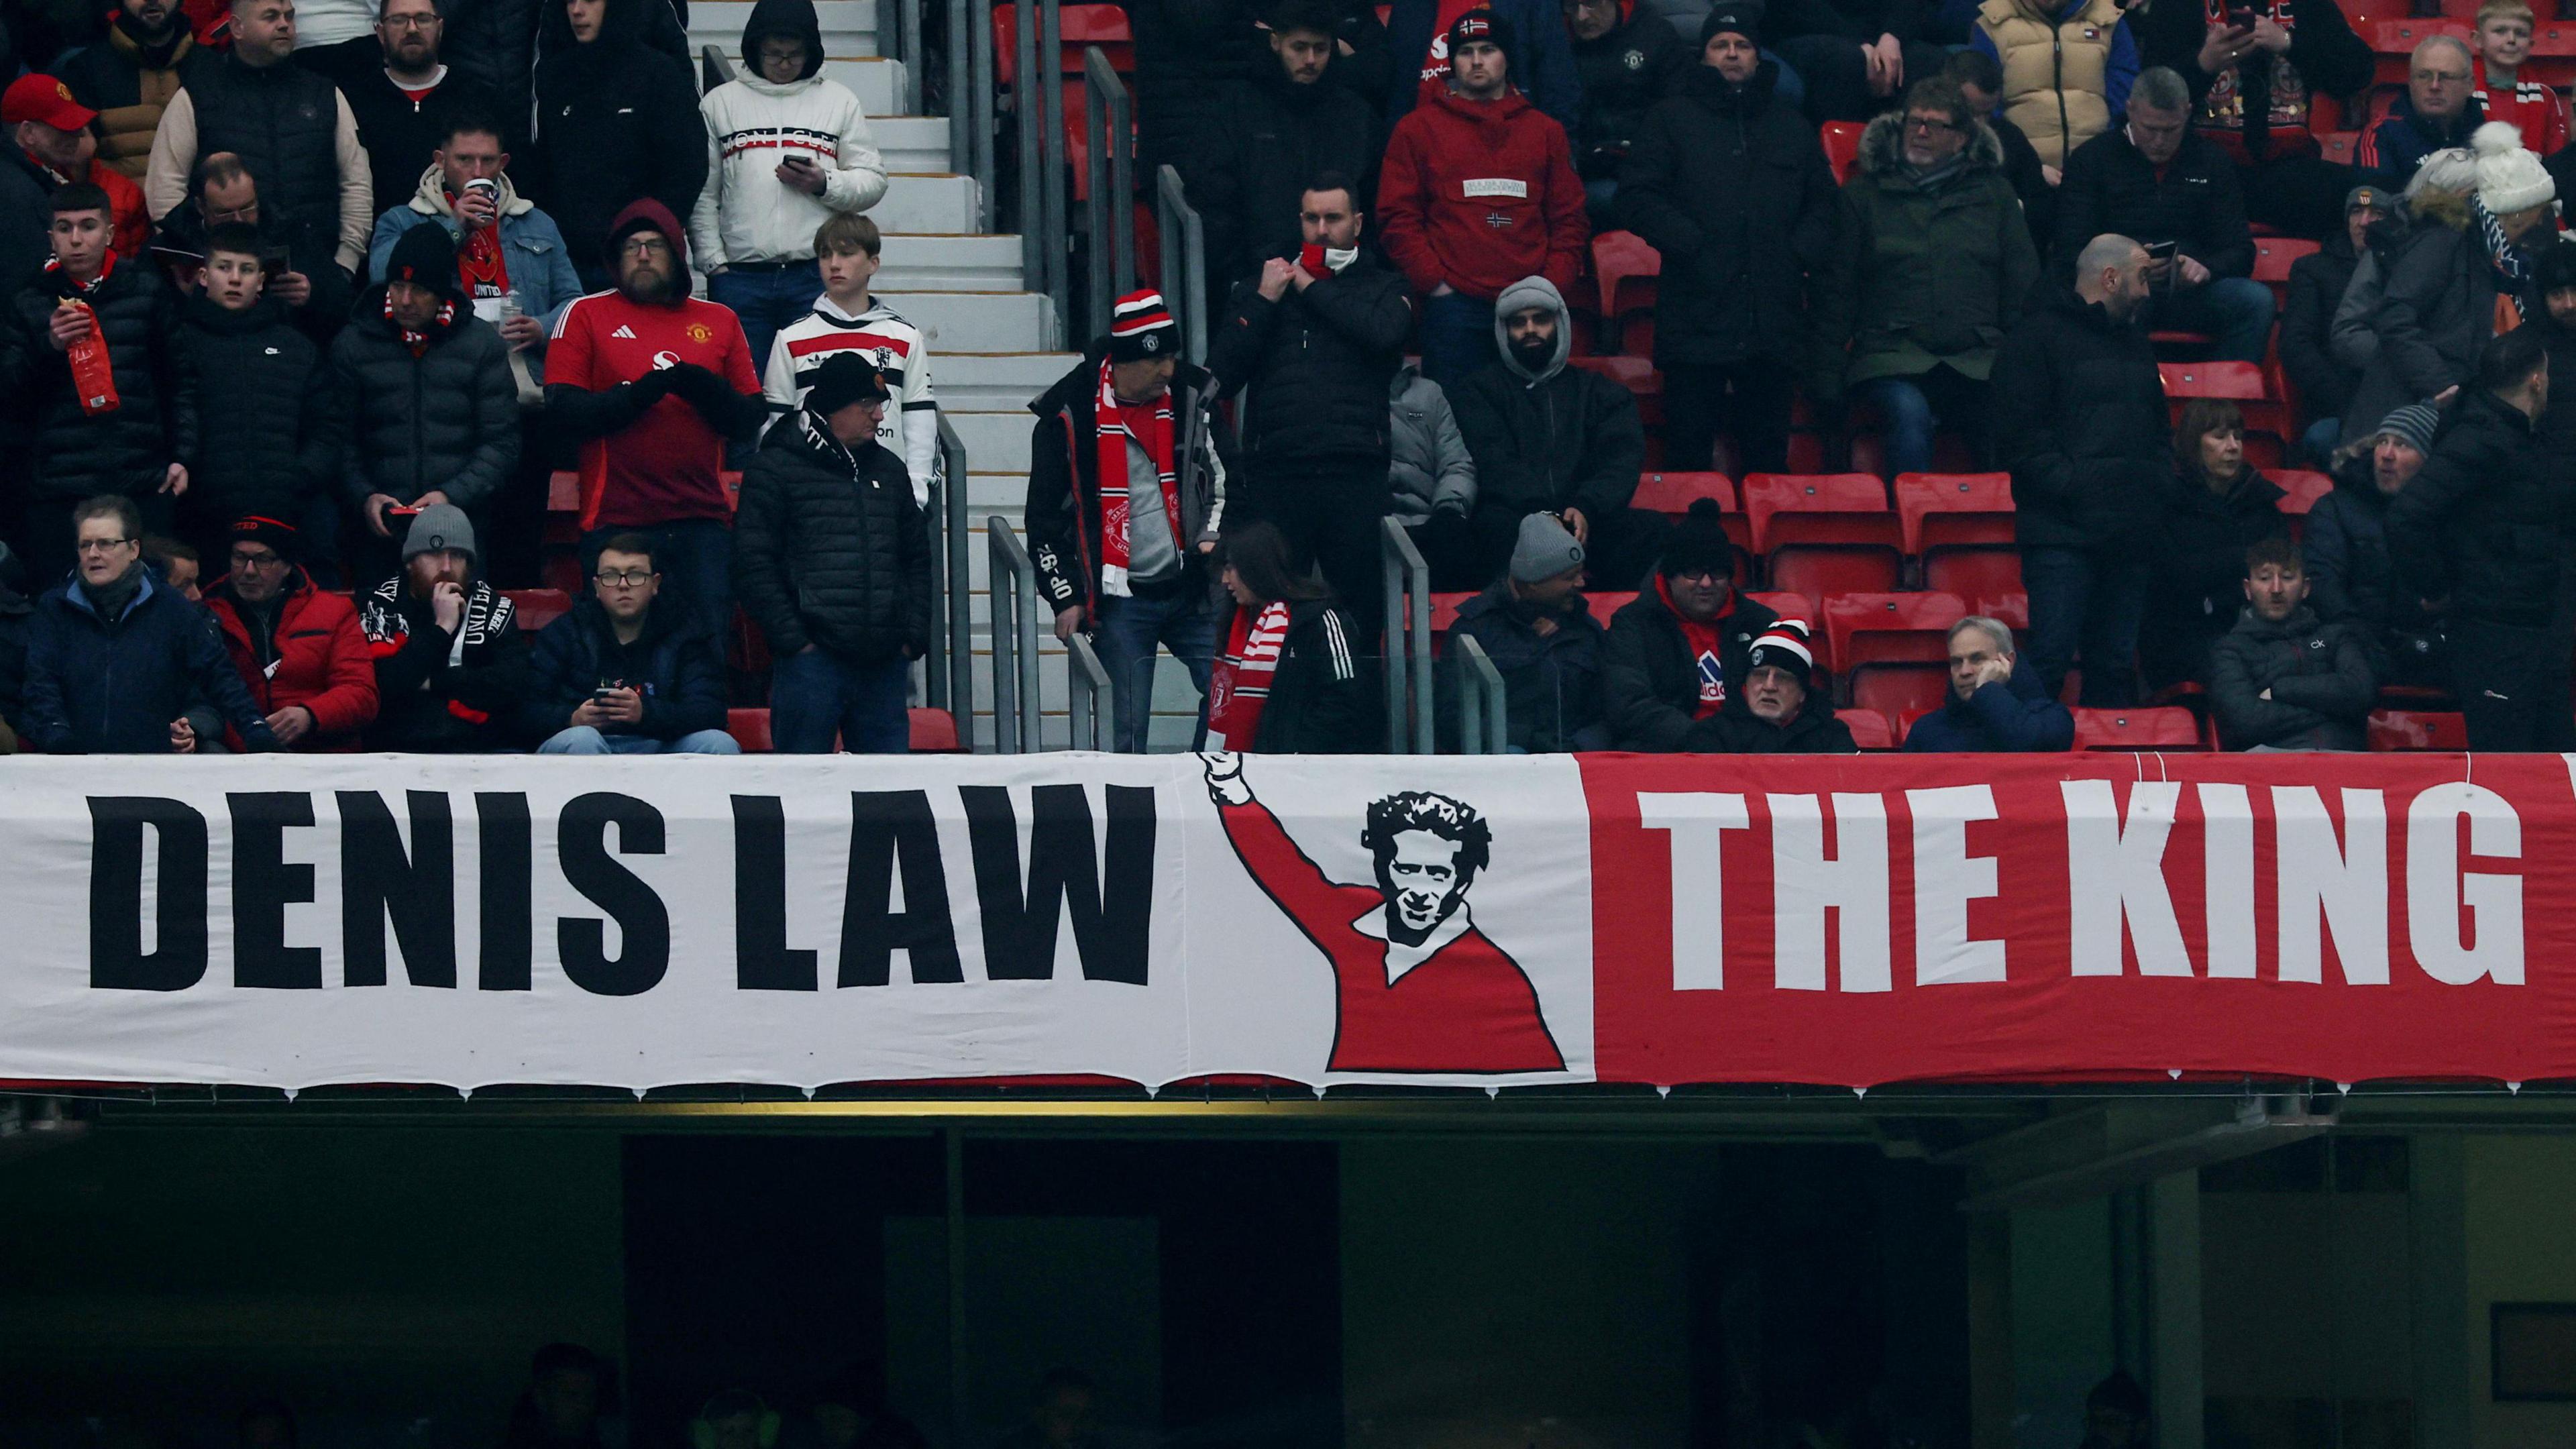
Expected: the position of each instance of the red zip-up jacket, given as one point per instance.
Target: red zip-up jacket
(322, 662)
(1479, 194)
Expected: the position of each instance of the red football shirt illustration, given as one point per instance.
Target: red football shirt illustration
(1418, 987)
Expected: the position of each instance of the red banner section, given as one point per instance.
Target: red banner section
(1866, 920)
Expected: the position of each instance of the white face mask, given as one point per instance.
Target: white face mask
(1340, 257)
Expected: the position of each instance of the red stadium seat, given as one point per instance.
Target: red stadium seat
(1901, 689)
(2235, 381)
(1638, 376)
(2408, 729)
(2137, 729)
(750, 729)
(1870, 729)
(2338, 146)
(1954, 510)
(1603, 605)
(934, 732)
(1626, 268)
(2011, 608)
(1824, 534)
(1842, 147)
(1799, 606)
(538, 607)
(2394, 42)
(1881, 629)
(1078, 27)
(1672, 494)
(2273, 256)
(2303, 489)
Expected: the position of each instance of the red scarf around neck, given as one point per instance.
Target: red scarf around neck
(1240, 684)
(418, 342)
(1150, 426)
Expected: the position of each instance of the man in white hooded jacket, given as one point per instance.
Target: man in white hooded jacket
(786, 149)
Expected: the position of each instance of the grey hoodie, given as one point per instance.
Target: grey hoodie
(1520, 296)
(1428, 466)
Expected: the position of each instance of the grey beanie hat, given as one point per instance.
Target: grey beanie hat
(2412, 425)
(1544, 550)
(440, 525)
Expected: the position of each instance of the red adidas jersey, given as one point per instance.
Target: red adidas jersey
(667, 465)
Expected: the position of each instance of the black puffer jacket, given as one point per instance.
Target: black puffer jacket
(1730, 184)
(2198, 587)
(676, 664)
(492, 43)
(2079, 418)
(1188, 52)
(1324, 699)
(1314, 366)
(283, 121)
(1650, 682)
(1268, 141)
(2350, 570)
(129, 450)
(1551, 681)
(1633, 64)
(2486, 525)
(829, 547)
(270, 435)
(2319, 675)
(447, 419)
(2317, 283)
(616, 120)
(24, 201)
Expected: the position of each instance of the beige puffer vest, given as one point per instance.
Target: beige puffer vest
(2054, 72)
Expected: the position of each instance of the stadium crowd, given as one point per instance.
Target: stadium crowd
(305, 311)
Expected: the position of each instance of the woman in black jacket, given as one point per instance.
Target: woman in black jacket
(2219, 508)
(1290, 676)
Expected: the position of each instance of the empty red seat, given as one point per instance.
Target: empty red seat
(1901, 689)
(934, 732)
(2273, 256)
(2011, 608)
(750, 729)
(1626, 268)
(1637, 375)
(1842, 147)
(1954, 510)
(1674, 493)
(2302, 489)
(2412, 729)
(1823, 534)
(2234, 381)
(1870, 729)
(538, 607)
(1878, 629)
(2137, 729)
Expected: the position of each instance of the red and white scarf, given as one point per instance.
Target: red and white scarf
(1240, 684)
(418, 342)
(1150, 427)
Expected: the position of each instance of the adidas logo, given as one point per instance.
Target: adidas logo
(626, 332)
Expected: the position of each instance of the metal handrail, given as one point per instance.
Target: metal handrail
(1184, 238)
(1482, 727)
(1109, 212)
(1027, 116)
(713, 68)
(1011, 612)
(1408, 638)
(1087, 694)
(1051, 195)
(959, 599)
(907, 49)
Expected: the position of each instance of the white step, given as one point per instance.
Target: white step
(995, 442)
(921, 262)
(976, 321)
(926, 202)
(997, 382)
(849, 26)
(994, 492)
(912, 143)
(878, 83)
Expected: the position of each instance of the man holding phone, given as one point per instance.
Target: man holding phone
(627, 673)
(786, 149)
(2253, 68)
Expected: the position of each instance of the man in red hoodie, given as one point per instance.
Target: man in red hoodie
(654, 383)
(297, 647)
(1418, 988)
(1479, 191)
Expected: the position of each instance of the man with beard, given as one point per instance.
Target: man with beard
(451, 664)
(403, 96)
(654, 383)
(1418, 987)
(2080, 421)
(1548, 438)
(129, 78)
(1275, 133)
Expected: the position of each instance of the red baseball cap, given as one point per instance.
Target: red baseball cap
(43, 99)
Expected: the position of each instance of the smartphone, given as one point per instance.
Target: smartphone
(273, 261)
(2240, 19)
(606, 692)
(403, 510)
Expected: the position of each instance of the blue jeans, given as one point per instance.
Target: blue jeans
(2089, 606)
(1457, 337)
(2235, 310)
(1915, 406)
(587, 740)
(813, 695)
(767, 301)
(694, 558)
(1183, 622)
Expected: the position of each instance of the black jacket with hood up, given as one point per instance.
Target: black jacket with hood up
(616, 120)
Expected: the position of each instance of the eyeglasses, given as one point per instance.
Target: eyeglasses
(257, 561)
(644, 246)
(102, 545)
(1696, 576)
(624, 578)
(1929, 124)
(249, 212)
(408, 22)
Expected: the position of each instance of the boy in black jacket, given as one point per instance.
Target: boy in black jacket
(438, 695)
(270, 441)
(624, 675)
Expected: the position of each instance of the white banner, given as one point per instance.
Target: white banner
(293, 922)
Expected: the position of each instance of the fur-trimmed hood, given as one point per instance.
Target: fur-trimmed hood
(1882, 148)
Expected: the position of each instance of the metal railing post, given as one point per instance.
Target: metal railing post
(1483, 730)
(1051, 194)
(713, 69)
(1011, 612)
(1087, 694)
(959, 619)
(1184, 239)
(1401, 572)
(1029, 115)
(983, 99)
(1109, 210)
(908, 49)
(934, 654)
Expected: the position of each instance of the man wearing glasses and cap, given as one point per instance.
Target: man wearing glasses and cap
(296, 647)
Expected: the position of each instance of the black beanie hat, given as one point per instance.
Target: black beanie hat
(261, 529)
(1743, 17)
(426, 257)
(1480, 24)
(1698, 543)
(845, 378)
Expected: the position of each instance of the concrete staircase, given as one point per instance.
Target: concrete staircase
(989, 336)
